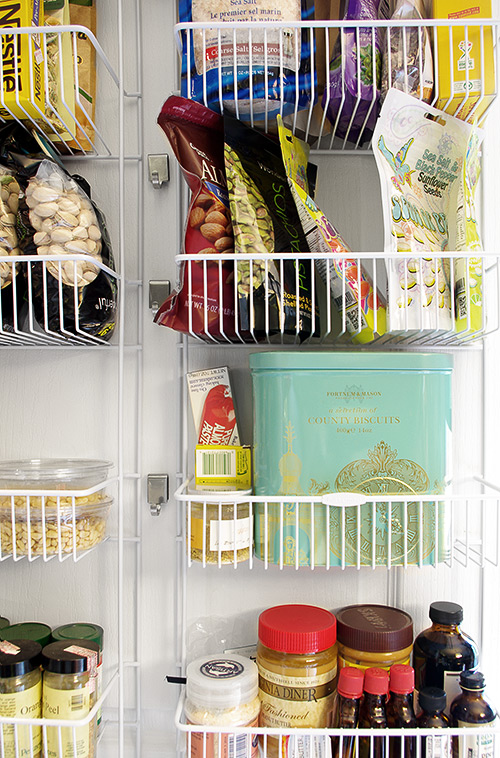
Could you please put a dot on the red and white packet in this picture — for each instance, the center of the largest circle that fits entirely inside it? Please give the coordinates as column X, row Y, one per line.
column 213, row 407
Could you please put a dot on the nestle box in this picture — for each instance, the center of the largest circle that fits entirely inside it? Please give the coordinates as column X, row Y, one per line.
column 465, row 75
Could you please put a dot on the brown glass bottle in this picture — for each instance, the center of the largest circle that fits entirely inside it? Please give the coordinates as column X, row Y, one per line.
column 372, row 713
column 349, row 693
column 400, row 713
column 432, row 701
column 441, row 652
column 471, row 708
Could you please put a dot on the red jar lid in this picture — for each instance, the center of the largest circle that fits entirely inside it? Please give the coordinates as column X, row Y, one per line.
column 298, row 629
column 402, row 679
column 376, row 681
column 350, row 682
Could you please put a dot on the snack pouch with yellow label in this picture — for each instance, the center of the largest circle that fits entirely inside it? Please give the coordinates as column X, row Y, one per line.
column 350, row 285
column 61, row 88
column 420, row 154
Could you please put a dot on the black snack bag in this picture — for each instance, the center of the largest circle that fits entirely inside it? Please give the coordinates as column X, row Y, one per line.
column 265, row 221
column 57, row 217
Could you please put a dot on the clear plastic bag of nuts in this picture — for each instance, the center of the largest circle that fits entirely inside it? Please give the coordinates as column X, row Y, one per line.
column 9, row 204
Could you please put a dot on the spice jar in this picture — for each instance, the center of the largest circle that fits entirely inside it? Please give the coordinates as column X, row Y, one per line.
column 222, row 692
column 297, row 661
column 20, row 697
column 69, row 692
column 4, row 622
column 218, row 527
column 373, row 636
column 29, row 630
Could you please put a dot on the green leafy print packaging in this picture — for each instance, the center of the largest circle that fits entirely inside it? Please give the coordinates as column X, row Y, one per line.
column 420, row 154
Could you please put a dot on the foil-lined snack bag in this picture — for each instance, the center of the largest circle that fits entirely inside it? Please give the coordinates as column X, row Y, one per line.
column 420, row 154
column 351, row 287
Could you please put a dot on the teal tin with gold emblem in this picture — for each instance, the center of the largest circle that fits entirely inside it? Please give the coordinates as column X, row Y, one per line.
column 370, row 423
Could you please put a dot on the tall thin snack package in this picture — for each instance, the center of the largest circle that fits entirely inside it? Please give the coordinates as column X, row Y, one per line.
column 61, row 87
column 419, row 153
column 83, row 12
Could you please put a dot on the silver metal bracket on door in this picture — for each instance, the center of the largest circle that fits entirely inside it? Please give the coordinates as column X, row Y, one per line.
column 158, row 170
column 157, row 492
column 159, row 290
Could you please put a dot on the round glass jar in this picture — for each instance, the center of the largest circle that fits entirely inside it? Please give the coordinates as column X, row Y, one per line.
column 218, row 526
column 222, row 692
column 69, row 692
column 373, row 636
column 297, row 662
column 21, row 696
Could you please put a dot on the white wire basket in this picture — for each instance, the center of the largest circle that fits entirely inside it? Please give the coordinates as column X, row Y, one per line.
column 353, row 300
column 325, row 77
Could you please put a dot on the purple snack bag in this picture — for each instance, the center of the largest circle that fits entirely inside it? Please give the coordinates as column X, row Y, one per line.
column 352, row 94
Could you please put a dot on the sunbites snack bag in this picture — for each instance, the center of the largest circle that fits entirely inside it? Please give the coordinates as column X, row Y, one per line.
column 420, row 153
column 271, row 71
column 203, row 302
column 350, row 285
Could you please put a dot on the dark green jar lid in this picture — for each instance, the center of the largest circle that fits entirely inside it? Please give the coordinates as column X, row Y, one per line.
column 81, row 631
column 19, row 657
column 30, row 630
column 4, row 622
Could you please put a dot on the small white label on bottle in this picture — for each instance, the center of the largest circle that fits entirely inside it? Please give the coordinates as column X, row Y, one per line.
column 477, row 745
column 437, row 746
column 451, row 685
column 223, row 533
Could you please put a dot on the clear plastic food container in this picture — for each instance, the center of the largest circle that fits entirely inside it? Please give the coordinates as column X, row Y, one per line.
column 53, row 473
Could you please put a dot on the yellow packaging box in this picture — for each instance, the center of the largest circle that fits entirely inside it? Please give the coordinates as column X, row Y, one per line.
column 465, row 76
column 23, row 93
column 223, row 465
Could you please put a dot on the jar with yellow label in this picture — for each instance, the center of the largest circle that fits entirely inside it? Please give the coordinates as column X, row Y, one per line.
column 69, row 693
column 20, row 697
column 218, row 526
column 373, row 636
column 297, row 662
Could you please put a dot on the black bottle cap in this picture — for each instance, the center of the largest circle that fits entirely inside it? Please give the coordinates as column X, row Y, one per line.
column 432, row 699
column 472, row 680
column 57, row 658
column 19, row 657
column 446, row 613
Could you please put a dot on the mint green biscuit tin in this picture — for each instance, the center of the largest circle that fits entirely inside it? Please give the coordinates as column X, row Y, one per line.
column 372, row 423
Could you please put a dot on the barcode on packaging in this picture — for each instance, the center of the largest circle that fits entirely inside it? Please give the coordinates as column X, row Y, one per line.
column 216, row 463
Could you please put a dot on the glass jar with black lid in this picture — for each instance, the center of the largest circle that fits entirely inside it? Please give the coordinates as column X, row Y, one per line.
column 21, row 695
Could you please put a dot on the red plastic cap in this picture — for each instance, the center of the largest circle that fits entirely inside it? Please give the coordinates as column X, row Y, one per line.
column 402, row 679
column 350, row 682
column 376, row 681
column 298, row 629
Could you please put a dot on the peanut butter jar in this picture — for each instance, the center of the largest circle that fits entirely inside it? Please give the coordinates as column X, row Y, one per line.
column 297, row 662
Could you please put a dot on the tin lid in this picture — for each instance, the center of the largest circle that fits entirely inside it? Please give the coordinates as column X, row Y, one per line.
column 57, row 658
column 18, row 657
column 432, row 699
column 374, row 628
column 298, row 629
column 350, row 683
column 4, row 622
column 401, row 679
column 29, row 630
column 376, row 681
column 446, row 613
column 81, row 631
column 351, row 361
column 222, row 681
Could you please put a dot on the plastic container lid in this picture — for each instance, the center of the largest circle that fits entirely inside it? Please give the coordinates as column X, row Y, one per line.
column 432, row 699
column 350, row 683
column 298, row 629
column 472, row 680
column 28, row 657
column 222, row 682
column 59, row 660
column 402, row 679
column 29, row 630
column 53, row 473
column 81, row 631
column 446, row 613
column 374, row 628
column 4, row 622
column 376, row 681
column 351, row 361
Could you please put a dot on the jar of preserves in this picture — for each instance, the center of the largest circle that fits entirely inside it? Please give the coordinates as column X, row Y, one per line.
column 218, row 526
column 69, row 693
column 373, row 636
column 222, row 691
column 20, row 697
column 297, row 662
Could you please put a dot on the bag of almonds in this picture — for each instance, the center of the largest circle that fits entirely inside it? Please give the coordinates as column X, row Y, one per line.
column 203, row 302
column 12, row 285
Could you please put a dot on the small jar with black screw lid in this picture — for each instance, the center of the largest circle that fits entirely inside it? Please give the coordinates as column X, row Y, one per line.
column 20, row 696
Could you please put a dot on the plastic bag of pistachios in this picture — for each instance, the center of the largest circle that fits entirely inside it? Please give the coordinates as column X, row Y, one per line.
column 273, row 295
column 12, row 282
column 420, row 153
column 202, row 304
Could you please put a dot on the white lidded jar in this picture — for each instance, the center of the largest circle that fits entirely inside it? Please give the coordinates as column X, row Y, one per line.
column 222, row 691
